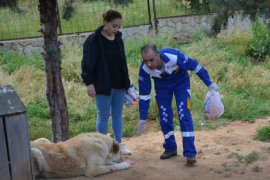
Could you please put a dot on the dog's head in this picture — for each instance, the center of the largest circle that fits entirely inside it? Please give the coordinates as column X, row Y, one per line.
column 115, row 152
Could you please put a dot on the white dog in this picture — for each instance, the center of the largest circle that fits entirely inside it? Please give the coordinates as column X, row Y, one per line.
column 89, row 154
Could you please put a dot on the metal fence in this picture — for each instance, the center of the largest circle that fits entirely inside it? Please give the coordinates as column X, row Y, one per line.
column 20, row 19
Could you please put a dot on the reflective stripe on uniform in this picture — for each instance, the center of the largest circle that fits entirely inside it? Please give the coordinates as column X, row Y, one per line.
column 188, row 134
column 170, row 133
column 144, row 97
column 198, row 68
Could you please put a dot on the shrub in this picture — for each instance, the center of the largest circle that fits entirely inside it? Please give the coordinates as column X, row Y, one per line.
column 263, row 133
column 259, row 47
column 251, row 157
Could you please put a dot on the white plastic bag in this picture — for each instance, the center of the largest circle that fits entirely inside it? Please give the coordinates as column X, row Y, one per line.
column 213, row 105
column 131, row 97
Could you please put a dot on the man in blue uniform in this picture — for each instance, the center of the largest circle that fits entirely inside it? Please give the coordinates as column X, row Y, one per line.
column 169, row 69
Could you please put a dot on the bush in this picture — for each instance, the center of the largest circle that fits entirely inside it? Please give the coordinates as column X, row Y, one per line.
column 251, row 157
column 263, row 134
column 259, row 47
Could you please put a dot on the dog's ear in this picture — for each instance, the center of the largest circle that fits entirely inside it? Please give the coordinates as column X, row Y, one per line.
column 115, row 147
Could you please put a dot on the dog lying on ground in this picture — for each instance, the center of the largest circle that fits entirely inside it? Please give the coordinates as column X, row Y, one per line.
column 89, row 154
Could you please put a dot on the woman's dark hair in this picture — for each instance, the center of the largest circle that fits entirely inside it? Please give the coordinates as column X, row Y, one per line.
column 111, row 15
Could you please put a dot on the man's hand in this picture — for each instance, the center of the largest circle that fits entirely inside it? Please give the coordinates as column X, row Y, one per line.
column 91, row 91
column 213, row 87
column 141, row 126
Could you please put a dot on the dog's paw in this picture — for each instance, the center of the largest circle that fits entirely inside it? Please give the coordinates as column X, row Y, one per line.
column 124, row 165
column 129, row 161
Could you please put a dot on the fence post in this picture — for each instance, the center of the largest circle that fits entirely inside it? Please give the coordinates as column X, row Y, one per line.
column 59, row 17
column 149, row 14
column 155, row 16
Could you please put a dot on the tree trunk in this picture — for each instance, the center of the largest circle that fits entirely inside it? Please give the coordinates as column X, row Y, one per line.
column 52, row 56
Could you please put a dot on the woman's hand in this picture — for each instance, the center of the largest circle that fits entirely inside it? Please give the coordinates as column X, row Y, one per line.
column 91, row 91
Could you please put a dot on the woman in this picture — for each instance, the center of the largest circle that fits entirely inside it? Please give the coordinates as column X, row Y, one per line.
column 105, row 73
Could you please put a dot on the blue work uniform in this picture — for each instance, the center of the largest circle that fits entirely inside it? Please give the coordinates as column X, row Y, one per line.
column 172, row 79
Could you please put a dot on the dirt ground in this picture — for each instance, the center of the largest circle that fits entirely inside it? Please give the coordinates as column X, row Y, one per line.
column 218, row 157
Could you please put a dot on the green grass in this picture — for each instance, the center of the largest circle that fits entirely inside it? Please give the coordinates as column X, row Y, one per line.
column 38, row 108
column 244, row 86
column 24, row 21
column 251, row 157
column 263, row 134
column 11, row 62
column 256, row 169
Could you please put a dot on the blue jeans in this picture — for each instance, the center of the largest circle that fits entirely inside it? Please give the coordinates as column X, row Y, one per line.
column 110, row 104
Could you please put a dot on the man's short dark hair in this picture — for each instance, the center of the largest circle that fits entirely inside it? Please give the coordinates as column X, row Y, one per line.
column 148, row 47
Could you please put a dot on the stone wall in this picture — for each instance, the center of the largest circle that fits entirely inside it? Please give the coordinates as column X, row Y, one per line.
column 181, row 27
column 184, row 26
column 35, row 44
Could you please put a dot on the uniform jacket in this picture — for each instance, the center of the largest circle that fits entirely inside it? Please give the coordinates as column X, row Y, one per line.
column 175, row 72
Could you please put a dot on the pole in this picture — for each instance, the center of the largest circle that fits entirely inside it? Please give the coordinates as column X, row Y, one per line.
column 149, row 14
column 155, row 16
column 59, row 17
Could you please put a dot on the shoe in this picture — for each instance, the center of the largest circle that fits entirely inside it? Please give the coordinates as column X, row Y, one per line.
column 168, row 154
column 190, row 160
column 124, row 150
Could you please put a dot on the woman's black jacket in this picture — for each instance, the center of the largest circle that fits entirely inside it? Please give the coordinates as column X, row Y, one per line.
column 94, row 66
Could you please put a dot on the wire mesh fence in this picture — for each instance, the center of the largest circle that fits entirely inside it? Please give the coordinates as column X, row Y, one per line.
column 20, row 18
column 168, row 8
column 85, row 15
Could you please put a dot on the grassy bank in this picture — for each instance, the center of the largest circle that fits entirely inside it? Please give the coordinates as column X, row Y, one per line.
column 244, row 86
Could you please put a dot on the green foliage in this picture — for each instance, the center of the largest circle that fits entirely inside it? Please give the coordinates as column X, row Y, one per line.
column 38, row 108
column 221, row 20
column 86, row 15
column 12, row 4
column 244, row 86
column 263, row 134
column 81, row 127
column 130, row 128
column 71, row 67
column 227, row 8
column 256, row 169
column 11, row 62
column 39, row 128
column 197, row 6
column 238, row 156
column 68, row 10
column 259, row 47
column 251, row 157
